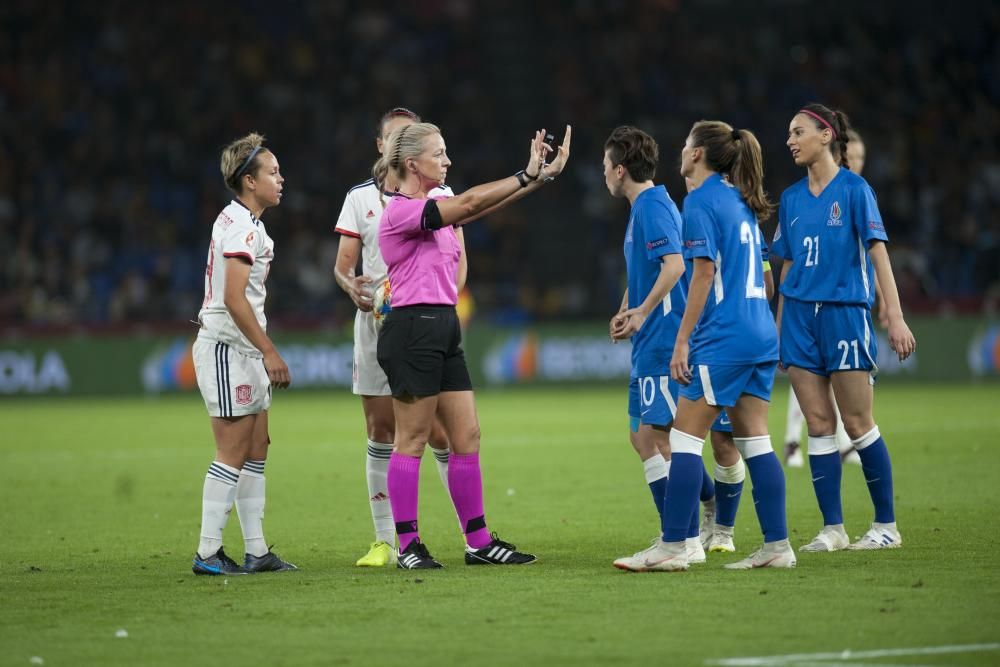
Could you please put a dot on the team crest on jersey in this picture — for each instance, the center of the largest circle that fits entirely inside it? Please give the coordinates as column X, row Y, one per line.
column 835, row 220
column 244, row 394
column 371, row 214
column 249, row 239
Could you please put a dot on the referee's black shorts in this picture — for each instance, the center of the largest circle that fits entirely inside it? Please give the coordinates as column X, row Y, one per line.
column 419, row 348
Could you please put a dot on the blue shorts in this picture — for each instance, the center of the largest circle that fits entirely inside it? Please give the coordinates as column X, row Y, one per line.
column 652, row 400
column 825, row 338
column 723, row 385
column 722, row 423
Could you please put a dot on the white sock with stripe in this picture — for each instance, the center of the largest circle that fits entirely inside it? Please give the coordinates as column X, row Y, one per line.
column 441, row 459
column 250, row 506
column 216, row 504
column 377, row 471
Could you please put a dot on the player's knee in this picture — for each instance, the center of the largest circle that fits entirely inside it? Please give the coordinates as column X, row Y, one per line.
column 857, row 425
column 466, row 440
column 380, row 429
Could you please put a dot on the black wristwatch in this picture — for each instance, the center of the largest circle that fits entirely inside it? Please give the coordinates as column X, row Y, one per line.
column 524, row 178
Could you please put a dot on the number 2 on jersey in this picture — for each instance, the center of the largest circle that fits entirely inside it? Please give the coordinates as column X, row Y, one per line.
column 750, row 235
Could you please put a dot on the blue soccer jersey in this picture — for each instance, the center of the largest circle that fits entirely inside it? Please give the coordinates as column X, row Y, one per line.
column 827, row 238
column 736, row 326
column 654, row 231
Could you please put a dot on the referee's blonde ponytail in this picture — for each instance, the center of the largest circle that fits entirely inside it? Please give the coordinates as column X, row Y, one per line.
column 404, row 143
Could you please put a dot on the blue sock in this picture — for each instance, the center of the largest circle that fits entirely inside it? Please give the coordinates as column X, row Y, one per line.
column 878, row 474
column 682, row 496
column 727, row 501
column 694, row 528
column 768, row 486
column 657, row 470
column 659, row 491
column 826, row 473
column 684, row 488
column 707, row 486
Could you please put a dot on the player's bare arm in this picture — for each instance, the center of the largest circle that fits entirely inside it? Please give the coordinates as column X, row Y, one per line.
column 701, row 283
column 901, row 340
column 356, row 287
column 671, row 269
column 237, row 279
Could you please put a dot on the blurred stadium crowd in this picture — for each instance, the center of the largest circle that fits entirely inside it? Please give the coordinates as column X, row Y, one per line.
column 112, row 116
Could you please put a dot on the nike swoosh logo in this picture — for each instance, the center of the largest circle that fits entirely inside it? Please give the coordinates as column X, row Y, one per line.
column 644, row 412
column 732, row 495
column 816, row 479
column 792, row 223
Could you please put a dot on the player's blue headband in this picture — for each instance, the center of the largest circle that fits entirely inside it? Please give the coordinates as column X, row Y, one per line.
column 246, row 164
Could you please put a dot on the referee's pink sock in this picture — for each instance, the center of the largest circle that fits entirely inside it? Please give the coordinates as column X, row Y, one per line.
column 403, row 483
column 465, row 481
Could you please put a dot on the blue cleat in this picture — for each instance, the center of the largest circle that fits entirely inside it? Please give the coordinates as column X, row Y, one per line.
column 216, row 564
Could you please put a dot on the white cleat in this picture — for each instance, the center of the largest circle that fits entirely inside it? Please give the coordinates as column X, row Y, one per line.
column 831, row 538
column 661, row 557
column 722, row 540
column 635, row 562
column 772, row 554
column 694, row 550
column 707, row 522
column 879, row 536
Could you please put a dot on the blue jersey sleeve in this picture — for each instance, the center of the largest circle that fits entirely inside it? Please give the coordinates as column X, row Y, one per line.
column 765, row 252
column 699, row 231
column 866, row 217
column 779, row 246
column 661, row 229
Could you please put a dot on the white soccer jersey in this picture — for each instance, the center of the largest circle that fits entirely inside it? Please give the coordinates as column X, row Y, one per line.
column 360, row 218
column 236, row 233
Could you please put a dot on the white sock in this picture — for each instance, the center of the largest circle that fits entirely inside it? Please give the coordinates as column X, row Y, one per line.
column 843, row 441
column 377, row 471
column 793, row 427
column 656, row 467
column 216, row 503
column 250, row 506
column 441, row 458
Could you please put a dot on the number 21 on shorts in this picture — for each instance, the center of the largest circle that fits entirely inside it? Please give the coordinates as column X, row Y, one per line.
column 846, row 347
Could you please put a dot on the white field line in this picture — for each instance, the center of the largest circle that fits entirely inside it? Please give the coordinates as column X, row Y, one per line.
column 804, row 659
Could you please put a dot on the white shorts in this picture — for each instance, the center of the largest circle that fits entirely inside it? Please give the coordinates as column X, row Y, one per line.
column 231, row 383
column 369, row 379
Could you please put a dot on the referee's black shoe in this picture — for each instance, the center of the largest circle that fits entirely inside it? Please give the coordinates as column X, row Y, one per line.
column 269, row 562
column 497, row 552
column 416, row 557
column 216, row 564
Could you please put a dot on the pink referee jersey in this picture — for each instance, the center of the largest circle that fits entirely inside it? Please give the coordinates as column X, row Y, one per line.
column 422, row 263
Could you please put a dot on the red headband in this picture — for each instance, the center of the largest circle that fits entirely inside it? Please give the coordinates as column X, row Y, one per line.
column 820, row 119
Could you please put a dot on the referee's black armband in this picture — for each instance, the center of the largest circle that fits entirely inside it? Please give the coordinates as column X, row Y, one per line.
column 431, row 219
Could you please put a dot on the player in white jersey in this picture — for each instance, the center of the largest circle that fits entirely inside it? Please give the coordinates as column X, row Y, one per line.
column 358, row 226
column 236, row 363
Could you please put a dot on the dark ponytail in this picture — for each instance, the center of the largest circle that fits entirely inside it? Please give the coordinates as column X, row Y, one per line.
column 737, row 155
column 837, row 122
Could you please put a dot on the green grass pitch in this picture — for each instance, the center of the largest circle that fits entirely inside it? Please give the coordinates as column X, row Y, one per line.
column 101, row 507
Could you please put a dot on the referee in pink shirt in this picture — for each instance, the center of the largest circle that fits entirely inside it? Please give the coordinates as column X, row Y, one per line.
column 419, row 346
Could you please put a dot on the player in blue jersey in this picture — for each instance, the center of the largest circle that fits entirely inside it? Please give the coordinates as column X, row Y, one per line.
column 726, row 348
column 831, row 235
column 650, row 312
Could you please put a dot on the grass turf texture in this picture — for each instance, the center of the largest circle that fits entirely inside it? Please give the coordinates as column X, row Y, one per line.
column 101, row 508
